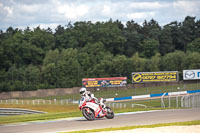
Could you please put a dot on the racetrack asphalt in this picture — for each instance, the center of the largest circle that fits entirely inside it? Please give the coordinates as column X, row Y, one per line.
column 124, row 119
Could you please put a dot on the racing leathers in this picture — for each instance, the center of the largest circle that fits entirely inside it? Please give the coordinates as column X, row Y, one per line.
column 90, row 96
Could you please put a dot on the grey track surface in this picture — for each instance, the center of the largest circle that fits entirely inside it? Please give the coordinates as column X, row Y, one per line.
column 164, row 116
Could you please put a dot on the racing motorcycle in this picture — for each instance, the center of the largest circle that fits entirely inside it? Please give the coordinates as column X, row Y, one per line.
column 91, row 110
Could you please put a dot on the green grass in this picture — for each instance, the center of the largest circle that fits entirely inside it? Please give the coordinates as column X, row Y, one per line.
column 71, row 110
column 188, row 123
column 36, row 117
column 56, row 112
column 110, row 92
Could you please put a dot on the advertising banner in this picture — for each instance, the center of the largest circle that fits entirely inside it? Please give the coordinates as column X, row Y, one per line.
column 144, row 77
column 191, row 74
column 104, row 82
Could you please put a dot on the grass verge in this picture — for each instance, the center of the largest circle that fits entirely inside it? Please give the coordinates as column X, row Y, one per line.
column 141, row 126
column 57, row 115
column 37, row 117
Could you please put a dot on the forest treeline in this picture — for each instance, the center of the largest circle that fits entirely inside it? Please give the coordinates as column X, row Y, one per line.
column 42, row 58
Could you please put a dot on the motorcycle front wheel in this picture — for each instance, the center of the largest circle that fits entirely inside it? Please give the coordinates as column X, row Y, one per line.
column 110, row 113
column 88, row 114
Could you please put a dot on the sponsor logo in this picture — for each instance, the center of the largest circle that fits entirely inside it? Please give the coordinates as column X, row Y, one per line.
column 189, row 74
column 137, row 77
column 167, row 76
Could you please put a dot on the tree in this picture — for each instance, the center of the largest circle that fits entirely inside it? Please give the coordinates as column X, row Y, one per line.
column 110, row 35
column 197, row 29
column 93, row 54
column 192, row 60
column 68, row 68
column 173, row 61
column 177, row 35
column 153, row 64
column 151, row 30
column 187, row 28
column 136, row 63
column 166, row 41
column 149, row 48
column 42, row 38
column 133, row 37
column 61, row 69
column 119, row 66
column 104, row 68
column 194, row 46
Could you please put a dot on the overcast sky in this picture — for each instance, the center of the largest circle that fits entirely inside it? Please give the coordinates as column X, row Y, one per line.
column 51, row 13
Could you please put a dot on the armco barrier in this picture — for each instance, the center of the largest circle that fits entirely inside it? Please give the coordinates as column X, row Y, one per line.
column 151, row 95
column 18, row 111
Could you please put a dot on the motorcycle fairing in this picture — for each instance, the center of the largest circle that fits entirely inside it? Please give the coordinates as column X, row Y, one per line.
column 97, row 109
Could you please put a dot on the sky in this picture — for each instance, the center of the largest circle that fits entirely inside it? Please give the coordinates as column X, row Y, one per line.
column 51, row 13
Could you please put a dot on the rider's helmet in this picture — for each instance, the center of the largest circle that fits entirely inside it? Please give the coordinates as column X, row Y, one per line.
column 83, row 91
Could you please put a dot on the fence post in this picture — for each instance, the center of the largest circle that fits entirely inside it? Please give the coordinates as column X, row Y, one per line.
column 189, row 101
column 169, row 101
column 198, row 100
column 113, row 105
column 116, row 105
column 162, row 102
column 43, row 101
column 54, row 101
column 67, row 101
column 177, row 101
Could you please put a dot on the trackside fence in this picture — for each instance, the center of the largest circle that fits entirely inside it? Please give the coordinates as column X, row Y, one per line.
column 39, row 102
column 181, row 99
column 191, row 101
column 64, row 102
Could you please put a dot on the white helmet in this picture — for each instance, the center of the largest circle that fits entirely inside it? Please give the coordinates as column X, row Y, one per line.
column 82, row 91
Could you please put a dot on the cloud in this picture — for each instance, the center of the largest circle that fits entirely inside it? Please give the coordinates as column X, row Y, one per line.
column 6, row 10
column 22, row 13
column 72, row 11
column 9, row 10
column 29, row 9
column 141, row 15
column 106, row 10
column 187, row 7
column 148, row 5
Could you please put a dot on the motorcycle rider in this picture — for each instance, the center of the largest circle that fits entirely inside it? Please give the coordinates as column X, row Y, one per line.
column 90, row 96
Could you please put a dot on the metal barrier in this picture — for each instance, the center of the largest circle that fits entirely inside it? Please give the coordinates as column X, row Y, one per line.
column 17, row 111
column 191, row 101
column 39, row 102
column 168, row 99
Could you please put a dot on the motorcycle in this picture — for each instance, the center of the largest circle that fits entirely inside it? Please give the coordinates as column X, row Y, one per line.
column 91, row 110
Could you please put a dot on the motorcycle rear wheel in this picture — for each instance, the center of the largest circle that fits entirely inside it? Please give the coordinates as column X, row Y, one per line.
column 110, row 113
column 88, row 115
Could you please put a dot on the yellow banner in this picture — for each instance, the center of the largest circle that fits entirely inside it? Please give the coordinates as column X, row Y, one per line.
column 142, row 77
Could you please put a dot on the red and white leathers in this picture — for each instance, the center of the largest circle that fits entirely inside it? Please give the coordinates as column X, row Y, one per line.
column 90, row 96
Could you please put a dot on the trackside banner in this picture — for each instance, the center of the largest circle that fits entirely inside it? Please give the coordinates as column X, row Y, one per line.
column 191, row 74
column 144, row 77
column 104, row 82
